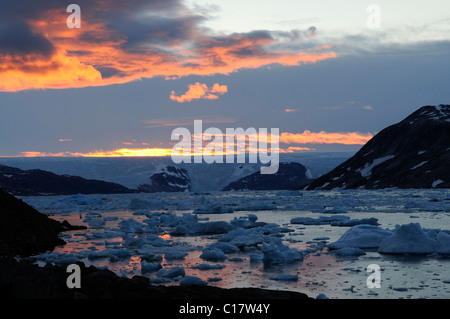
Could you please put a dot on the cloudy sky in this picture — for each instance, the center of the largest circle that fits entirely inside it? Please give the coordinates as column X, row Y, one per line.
column 329, row 74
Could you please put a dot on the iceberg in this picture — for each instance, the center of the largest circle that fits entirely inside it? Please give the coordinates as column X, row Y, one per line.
column 408, row 239
column 213, row 254
column 361, row 236
column 277, row 251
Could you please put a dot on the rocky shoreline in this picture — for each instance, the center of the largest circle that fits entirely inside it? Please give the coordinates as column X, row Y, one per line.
column 24, row 280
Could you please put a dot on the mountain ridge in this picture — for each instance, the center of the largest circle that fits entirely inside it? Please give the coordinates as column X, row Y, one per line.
column 413, row 153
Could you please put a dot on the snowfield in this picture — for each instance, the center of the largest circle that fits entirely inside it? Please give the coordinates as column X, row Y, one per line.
column 316, row 242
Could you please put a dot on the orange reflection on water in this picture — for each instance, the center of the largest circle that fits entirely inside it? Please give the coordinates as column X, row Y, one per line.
column 165, row 236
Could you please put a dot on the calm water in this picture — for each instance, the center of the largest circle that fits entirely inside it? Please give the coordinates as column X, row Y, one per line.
column 319, row 272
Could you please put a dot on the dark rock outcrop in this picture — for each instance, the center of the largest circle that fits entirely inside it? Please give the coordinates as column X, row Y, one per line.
column 24, row 230
column 24, row 280
column 38, row 182
column 414, row 153
column 290, row 176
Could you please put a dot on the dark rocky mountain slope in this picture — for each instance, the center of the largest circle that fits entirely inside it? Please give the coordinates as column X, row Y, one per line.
column 290, row 176
column 171, row 179
column 414, row 153
column 39, row 182
column 24, row 230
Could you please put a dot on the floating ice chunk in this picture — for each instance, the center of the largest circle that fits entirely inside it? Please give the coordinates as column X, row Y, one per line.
column 151, row 257
column 322, row 220
column 302, row 220
column 140, row 204
column 336, row 210
column 322, row 296
column 120, row 253
column 96, row 223
column 141, row 212
column 98, row 254
column 58, row 258
column 250, row 239
column 285, row 277
column 113, row 254
column 256, row 257
column 103, row 234
column 233, row 234
column 208, row 266
column 147, row 267
column 244, row 221
column 408, row 239
column 354, row 222
column 172, row 255
column 131, row 226
column 192, row 281
column 213, row 209
column 93, row 215
column 277, row 251
column 443, row 240
column 225, row 247
column 180, row 230
column 349, row 251
column 209, row 228
column 213, row 254
column 171, row 273
column 256, row 207
column 110, row 218
column 361, row 236
column 145, row 240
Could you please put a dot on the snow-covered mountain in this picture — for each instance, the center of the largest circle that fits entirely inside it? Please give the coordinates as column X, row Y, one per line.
column 133, row 172
column 289, row 176
column 414, row 153
column 171, row 179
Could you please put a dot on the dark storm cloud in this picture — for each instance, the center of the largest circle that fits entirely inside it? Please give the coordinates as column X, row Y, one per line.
column 153, row 29
column 17, row 39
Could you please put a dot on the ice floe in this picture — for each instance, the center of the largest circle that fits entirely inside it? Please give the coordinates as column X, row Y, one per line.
column 411, row 239
column 277, row 251
column 361, row 236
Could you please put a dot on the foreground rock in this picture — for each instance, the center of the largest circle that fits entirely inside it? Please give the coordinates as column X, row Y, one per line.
column 25, row 231
column 28, row 281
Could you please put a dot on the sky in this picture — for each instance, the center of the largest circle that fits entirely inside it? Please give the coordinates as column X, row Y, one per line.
column 328, row 74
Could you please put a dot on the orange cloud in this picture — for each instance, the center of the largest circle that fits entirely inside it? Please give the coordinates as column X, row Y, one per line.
column 308, row 137
column 291, row 110
column 123, row 152
column 293, row 149
column 60, row 71
column 198, row 91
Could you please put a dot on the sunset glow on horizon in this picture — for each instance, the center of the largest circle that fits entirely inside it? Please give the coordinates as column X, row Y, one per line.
column 305, row 138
